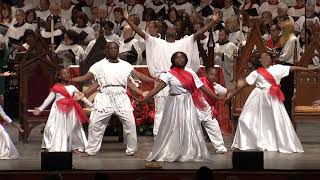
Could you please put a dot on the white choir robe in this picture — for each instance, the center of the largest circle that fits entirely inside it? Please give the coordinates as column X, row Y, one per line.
column 296, row 12
column 186, row 7
column 136, row 9
column 7, row 148
column 272, row 8
column 87, row 30
column 112, row 99
column 110, row 38
column 109, row 14
column 158, row 8
column 63, row 132
column 180, row 135
column 66, row 13
column 256, row 6
column 227, row 13
column 235, row 37
column 300, row 23
column 227, row 65
column 287, row 53
column 16, row 33
column 264, row 123
column 43, row 14
column 210, row 123
column 317, row 9
column 158, row 57
column 124, row 47
column 77, row 51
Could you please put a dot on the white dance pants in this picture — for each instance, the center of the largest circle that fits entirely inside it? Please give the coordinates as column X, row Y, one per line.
column 98, row 124
column 212, row 128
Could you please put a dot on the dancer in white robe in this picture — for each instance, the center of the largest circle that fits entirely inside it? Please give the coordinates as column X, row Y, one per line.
column 7, row 148
column 63, row 130
column 158, row 55
column 112, row 74
column 264, row 123
column 180, row 135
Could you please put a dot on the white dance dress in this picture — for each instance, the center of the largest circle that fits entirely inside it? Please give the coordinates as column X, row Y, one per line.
column 180, row 136
column 264, row 123
column 7, row 148
column 63, row 132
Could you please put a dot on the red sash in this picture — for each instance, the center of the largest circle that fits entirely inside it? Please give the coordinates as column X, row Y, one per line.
column 66, row 104
column 212, row 102
column 187, row 81
column 275, row 88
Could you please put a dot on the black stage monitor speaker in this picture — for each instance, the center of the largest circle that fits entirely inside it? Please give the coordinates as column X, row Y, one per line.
column 56, row 161
column 247, row 160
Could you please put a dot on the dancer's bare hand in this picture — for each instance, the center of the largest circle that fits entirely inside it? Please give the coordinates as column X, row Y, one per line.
column 18, row 126
column 316, row 103
column 145, row 93
column 228, row 98
column 78, row 96
column 8, row 73
column 36, row 111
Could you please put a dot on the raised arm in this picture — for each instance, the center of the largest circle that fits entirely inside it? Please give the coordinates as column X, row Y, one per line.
column 214, row 20
column 86, row 77
column 133, row 26
column 142, row 76
column 298, row 68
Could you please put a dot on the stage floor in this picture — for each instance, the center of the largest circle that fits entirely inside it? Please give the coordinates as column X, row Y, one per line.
column 112, row 154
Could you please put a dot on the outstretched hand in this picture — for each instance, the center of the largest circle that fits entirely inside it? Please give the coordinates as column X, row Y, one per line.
column 316, row 103
column 18, row 126
column 8, row 73
column 145, row 93
column 35, row 111
column 316, row 68
column 78, row 96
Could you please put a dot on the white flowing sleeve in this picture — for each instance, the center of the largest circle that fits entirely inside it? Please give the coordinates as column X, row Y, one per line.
column 164, row 77
column 196, row 79
column 4, row 115
column 252, row 77
column 282, row 70
column 48, row 100
column 220, row 90
column 87, row 102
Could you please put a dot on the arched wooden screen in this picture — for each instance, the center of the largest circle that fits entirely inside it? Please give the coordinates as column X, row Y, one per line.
column 307, row 85
column 37, row 75
column 241, row 65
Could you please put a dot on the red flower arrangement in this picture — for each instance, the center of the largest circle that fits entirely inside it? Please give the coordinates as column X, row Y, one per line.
column 143, row 113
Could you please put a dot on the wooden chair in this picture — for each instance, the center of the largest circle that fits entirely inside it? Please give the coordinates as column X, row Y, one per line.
column 241, row 68
column 307, row 86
